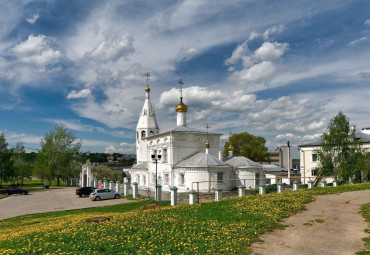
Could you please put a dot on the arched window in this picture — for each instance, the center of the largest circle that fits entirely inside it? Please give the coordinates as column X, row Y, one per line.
column 151, row 132
column 143, row 135
column 137, row 135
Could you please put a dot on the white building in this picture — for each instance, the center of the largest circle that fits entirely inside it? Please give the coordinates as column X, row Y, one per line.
column 309, row 160
column 185, row 156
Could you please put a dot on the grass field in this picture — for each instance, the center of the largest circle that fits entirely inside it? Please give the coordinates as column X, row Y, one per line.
column 365, row 211
column 224, row 227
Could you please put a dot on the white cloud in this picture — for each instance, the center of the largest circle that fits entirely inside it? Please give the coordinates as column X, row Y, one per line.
column 358, row 40
column 112, row 48
column 367, row 22
column 79, row 94
column 260, row 66
column 124, row 144
column 111, row 149
column 270, row 51
column 13, row 137
column 36, row 50
column 296, row 139
column 33, row 19
column 257, row 73
column 186, row 53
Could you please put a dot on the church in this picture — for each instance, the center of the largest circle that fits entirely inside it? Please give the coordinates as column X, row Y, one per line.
column 184, row 156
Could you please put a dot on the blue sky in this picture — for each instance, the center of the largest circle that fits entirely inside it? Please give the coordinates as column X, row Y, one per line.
column 279, row 69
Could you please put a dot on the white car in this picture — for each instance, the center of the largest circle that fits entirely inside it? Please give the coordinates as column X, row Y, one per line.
column 99, row 194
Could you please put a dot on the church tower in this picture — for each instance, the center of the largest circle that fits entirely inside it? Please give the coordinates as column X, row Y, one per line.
column 146, row 126
column 181, row 109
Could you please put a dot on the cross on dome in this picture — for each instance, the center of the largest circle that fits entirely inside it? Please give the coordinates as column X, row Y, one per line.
column 207, row 144
column 147, row 89
column 181, row 107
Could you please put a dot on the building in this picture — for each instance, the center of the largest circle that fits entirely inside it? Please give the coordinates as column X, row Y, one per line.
column 309, row 160
column 185, row 157
column 274, row 157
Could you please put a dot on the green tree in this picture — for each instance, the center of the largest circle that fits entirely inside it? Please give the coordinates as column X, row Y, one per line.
column 22, row 168
column 101, row 172
column 341, row 154
column 247, row 145
column 6, row 163
column 59, row 154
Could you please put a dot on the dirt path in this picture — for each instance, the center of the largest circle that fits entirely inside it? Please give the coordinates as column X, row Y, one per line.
column 340, row 233
column 49, row 201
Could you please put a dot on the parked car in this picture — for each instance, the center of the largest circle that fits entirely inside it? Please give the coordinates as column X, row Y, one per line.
column 99, row 194
column 85, row 191
column 15, row 190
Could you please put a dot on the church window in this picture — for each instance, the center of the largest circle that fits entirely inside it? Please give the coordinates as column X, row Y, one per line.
column 219, row 177
column 142, row 135
column 313, row 172
column 166, row 178
column 182, row 179
column 164, row 155
column 144, row 180
column 151, row 132
column 137, row 135
column 257, row 179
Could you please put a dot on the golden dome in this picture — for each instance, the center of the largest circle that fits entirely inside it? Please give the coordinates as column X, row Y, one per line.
column 147, row 89
column 181, row 107
column 207, row 144
column 231, row 148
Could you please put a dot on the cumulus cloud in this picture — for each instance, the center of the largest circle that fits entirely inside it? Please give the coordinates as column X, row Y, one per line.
column 296, row 139
column 33, row 19
column 37, row 50
column 367, row 22
column 258, row 66
column 186, row 53
column 119, row 149
column 13, row 137
column 112, row 48
column 270, row 51
column 79, row 94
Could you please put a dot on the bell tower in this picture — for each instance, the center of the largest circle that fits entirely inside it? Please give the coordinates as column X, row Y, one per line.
column 146, row 126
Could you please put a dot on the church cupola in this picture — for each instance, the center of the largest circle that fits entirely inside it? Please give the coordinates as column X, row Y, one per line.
column 146, row 126
column 181, row 109
column 231, row 148
column 207, row 144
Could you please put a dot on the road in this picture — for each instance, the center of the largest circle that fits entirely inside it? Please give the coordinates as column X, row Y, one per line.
column 330, row 225
column 49, row 201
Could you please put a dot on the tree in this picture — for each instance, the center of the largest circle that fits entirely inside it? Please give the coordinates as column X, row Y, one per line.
column 341, row 155
column 6, row 163
column 101, row 172
column 247, row 145
column 59, row 154
column 22, row 168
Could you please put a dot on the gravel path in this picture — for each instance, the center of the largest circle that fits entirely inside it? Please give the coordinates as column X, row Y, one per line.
column 340, row 233
column 49, row 201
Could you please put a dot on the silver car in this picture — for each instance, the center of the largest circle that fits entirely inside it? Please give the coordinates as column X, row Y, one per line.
column 99, row 194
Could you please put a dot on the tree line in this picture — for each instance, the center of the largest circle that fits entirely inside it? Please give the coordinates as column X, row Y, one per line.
column 58, row 159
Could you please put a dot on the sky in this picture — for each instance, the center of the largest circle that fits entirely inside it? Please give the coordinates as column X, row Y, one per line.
column 277, row 69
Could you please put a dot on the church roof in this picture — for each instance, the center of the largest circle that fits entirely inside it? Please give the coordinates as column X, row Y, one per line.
column 201, row 159
column 242, row 162
column 273, row 168
column 147, row 116
column 143, row 166
column 184, row 129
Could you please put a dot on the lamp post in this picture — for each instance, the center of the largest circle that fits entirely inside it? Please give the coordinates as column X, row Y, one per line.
column 155, row 159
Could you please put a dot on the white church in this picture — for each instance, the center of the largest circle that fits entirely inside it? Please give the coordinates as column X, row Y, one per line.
column 183, row 156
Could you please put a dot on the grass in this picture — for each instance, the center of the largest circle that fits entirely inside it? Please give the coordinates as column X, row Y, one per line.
column 320, row 220
column 365, row 211
column 224, row 227
column 347, row 202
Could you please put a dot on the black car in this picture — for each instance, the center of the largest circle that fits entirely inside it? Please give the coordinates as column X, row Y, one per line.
column 15, row 190
column 85, row 191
